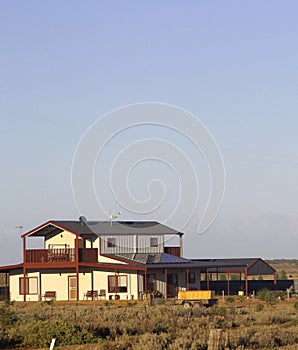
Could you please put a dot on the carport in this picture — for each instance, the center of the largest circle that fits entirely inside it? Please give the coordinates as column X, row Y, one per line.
column 244, row 267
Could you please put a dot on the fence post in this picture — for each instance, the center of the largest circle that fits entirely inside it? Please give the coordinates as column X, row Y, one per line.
column 52, row 344
column 214, row 342
column 288, row 294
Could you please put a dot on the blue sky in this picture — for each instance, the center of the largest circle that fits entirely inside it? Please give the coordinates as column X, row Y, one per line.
column 64, row 64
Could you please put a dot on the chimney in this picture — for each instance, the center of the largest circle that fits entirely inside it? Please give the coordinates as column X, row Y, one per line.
column 181, row 243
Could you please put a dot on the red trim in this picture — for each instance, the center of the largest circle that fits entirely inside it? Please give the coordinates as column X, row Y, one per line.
column 24, row 268
column 115, row 266
column 246, row 283
column 50, row 265
column 47, row 224
column 274, row 278
column 77, row 265
column 53, row 266
column 35, row 229
column 187, row 278
column 11, row 267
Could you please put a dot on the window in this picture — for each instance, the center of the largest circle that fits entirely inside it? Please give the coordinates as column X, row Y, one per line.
column 111, row 242
column 117, row 284
column 153, row 242
column 31, row 285
column 191, row 277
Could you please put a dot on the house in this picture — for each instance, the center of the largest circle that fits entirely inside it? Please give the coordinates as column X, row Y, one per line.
column 114, row 260
column 117, row 259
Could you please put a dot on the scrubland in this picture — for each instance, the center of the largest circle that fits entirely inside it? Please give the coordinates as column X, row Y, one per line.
column 105, row 325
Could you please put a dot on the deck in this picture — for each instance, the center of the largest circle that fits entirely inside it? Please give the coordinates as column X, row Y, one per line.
column 61, row 255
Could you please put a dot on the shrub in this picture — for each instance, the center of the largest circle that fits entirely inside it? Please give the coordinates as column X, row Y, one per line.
column 267, row 295
column 137, row 328
column 108, row 303
column 259, row 307
column 230, row 299
column 7, row 316
column 40, row 334
column 282, row 275
column 241, row 298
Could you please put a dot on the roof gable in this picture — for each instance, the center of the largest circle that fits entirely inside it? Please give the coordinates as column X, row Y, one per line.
column 101, row 228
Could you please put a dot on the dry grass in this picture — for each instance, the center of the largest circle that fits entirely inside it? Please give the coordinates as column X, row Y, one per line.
column 289, row 266
column 121, row 326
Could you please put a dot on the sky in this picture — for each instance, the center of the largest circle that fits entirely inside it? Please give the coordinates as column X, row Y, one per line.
column 233, row 65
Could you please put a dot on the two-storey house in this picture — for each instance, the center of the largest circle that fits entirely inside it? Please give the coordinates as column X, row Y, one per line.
column 118, row 259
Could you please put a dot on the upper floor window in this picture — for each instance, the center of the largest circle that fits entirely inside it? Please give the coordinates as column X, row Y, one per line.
column 111, row 242
column 153, row 242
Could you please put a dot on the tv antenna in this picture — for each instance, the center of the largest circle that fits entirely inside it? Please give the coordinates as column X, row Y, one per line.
column 20, row 227
column 114, row 216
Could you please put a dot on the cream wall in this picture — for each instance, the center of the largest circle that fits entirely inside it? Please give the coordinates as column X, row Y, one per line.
column 105, row 259
column 101, row 258
column 58, row 282
column 62, row 238
column 85, row 283
column 101, row 282
column 14, row 284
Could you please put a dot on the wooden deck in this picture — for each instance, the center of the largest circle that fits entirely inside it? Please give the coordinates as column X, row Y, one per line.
column 61, row 255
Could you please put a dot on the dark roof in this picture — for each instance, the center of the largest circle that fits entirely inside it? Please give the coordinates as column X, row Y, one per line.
column 254, row 266
column 102, row 228
column 227, row 262
column 150, row 258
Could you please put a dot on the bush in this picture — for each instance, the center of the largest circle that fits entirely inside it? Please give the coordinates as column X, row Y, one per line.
column 138, row 328
column 241, row 298
column 259, row 307
column 40, row 334
column 230, row 299
column 7, row 316
column 267, row 295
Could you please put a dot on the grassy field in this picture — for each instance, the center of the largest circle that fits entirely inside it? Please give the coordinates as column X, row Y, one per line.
column 246, row 324
column 290, row 266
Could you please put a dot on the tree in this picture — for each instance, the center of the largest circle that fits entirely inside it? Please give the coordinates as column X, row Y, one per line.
column 282, row 275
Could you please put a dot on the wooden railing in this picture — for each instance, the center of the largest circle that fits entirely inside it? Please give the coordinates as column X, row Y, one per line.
column 61, row 255
column 88, row 255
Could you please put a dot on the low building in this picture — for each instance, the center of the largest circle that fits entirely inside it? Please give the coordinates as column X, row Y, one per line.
column 111, row 260
column 116, row 259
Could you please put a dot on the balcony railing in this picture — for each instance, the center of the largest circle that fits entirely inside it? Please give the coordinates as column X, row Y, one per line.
column 61, row 255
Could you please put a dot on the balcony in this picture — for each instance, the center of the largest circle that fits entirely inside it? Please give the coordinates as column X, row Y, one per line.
column 61, row 255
